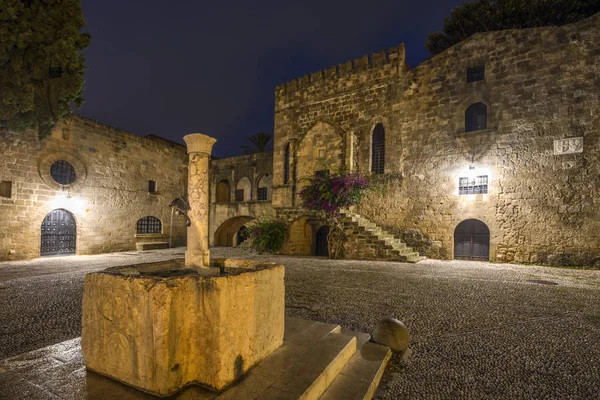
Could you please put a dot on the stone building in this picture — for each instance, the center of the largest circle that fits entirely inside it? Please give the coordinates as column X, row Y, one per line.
column 89, row 188
column 490, row 149
column 241, row 190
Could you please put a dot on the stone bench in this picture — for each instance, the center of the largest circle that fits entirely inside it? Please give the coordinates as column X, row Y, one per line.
column 151, row 245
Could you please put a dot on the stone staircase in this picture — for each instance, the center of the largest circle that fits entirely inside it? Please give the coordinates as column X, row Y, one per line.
column 367, row 240
column 316, row 361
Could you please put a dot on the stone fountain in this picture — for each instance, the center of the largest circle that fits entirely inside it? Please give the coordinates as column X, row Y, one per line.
column 162, row 326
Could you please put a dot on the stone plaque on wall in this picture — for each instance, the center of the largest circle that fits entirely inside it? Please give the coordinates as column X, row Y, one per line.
column 568, row 146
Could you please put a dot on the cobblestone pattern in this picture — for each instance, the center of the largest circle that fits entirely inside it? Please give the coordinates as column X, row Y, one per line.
column 478, row 330
column 40, row 300
column 540, row 84
column 110, row 194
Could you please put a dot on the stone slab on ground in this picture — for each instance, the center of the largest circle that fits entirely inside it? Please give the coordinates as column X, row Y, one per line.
column 312, row 356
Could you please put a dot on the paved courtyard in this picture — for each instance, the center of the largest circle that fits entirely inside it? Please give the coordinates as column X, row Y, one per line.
column 479, row 330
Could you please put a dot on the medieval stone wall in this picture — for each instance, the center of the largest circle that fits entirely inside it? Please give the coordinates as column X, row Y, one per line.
column 540, row 85
column 109, row 196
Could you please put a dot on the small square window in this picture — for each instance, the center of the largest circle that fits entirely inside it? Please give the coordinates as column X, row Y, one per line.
column 151, row 186
column 473, row 185
column 262, row 193
column 239, row 195
column 6, row 189
column 321, row 153
column 475, row 74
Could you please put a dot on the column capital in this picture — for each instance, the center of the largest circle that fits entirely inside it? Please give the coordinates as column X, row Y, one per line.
column 199, row 143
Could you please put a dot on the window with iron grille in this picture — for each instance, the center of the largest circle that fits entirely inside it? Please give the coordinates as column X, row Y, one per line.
column 476, row 117
column 286, row 164
column 474, row 185
column 149, row 224
column 378, row 150
column 322, row 172
column 475, row 74
column 151, row 186
column 262, row 193
column 239, row 194
column 6, row 189
column 63, row 172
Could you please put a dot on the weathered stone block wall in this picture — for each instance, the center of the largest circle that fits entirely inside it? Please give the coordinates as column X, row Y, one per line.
column 113, row 168
column 540, row 84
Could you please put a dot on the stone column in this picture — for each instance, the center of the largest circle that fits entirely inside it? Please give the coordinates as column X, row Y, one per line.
column 199, row 148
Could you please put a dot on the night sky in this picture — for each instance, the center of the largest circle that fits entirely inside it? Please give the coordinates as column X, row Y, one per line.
column 171, row 68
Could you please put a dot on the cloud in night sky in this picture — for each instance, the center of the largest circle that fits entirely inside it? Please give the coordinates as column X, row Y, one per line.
column 171, row 68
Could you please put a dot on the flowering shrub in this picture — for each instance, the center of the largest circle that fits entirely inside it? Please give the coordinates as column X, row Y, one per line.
column 267, row 236
column 328, row 194
column 332, row 192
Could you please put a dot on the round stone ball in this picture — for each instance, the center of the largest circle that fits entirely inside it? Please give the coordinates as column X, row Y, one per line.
column 392, row 333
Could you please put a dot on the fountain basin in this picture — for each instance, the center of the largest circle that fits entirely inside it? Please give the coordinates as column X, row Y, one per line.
column 160, row 327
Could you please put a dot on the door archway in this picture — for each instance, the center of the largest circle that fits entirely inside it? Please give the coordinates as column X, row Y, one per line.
column 472, row 240
column 321, row 248
column 59, row 234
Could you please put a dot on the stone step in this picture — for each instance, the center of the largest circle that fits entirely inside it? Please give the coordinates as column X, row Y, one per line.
column 359, row 379
column 374, row 235
column 311, row 357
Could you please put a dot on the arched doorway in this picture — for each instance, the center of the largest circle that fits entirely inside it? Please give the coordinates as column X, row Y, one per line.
column 321, row 242
column 59, row 234
column 472, row 240
column 229, row 230
column 242, row 235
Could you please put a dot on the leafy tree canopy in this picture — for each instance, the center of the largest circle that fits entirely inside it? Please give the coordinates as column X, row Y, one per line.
column 261, row 143
column 41, row 62
column 493, row 15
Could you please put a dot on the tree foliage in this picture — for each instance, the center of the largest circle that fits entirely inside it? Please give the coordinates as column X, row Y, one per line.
column 261, row 143
column 41, row 62
column 328, row 194
column 493, row 15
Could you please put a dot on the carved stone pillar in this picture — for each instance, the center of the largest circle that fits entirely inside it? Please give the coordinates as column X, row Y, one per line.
column 199, row 148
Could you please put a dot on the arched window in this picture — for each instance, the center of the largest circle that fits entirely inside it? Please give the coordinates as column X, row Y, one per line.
column 378, row 150
column 286, row 164
column 476, row 117
column 264, row 187
column 242, row 190
column 223, row 192
column 149, row 224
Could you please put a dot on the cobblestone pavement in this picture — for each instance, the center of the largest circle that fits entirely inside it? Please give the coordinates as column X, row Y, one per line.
column 40, row 299
column 479, row 330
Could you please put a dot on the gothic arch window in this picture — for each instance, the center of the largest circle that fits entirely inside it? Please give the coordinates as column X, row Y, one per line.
column 148, row 224
column 223, row 192
column 378, row 150
column 286, row 164
column 476, row 117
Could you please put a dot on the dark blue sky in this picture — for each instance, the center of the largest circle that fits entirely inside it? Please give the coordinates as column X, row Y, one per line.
column 174, row 67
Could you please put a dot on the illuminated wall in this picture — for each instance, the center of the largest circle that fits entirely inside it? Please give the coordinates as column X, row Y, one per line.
column 110, row 193
column 537, row 86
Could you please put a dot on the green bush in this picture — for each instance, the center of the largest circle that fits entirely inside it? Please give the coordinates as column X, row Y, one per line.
column 268, row 235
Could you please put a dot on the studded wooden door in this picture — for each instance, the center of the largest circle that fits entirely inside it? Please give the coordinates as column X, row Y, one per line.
column 59, row 234
column 472, row 240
